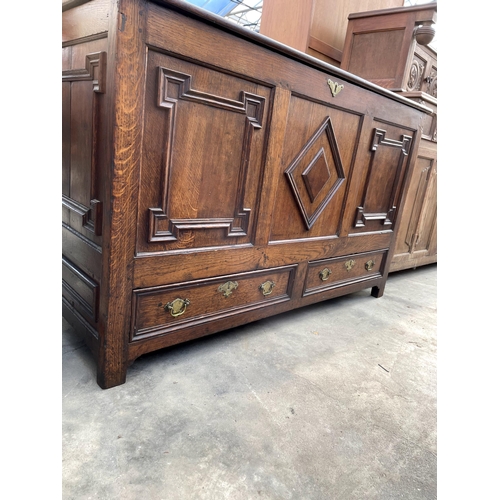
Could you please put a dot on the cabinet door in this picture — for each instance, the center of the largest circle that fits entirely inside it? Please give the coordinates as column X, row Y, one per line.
column 422, row 74
column 416, row 241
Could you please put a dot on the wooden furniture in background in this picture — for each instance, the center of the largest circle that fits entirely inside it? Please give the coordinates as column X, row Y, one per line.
column 316, row 27
column 213, row 177
column 389, row 47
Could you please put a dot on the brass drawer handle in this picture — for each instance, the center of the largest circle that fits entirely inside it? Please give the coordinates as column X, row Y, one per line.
column 177, row 307
column 227, row 288
column 267, row 287
column 350, row 264
column 369, row 265
column 325, row 274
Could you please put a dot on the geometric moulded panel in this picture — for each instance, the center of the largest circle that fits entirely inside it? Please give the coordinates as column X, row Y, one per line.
column 316, row 173
column 247, row 113
column 383, row 179
column 80, row 136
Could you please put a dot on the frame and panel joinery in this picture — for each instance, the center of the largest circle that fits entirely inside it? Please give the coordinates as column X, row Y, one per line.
column 230, row 186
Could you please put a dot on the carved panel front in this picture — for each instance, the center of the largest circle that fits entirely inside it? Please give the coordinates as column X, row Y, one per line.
column 427, row 78
column 204, row 136
column 416, row 73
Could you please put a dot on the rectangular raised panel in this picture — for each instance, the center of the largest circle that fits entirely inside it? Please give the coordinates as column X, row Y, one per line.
column 80, row 290
column 316, row 162
column 327, row 274
column 423, row 213
column 366, row 62
column 66, row 138
column 383, row 177
column 207, row 300
column 204, row 138
column 429, row 126
column 79, row 138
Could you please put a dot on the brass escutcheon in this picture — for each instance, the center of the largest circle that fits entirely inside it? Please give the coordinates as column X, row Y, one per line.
column 267, row 287
column 325, row 274
column 227, row 288
column 350, row 264
column 369, row 265
column 177, row 307
column 335, row 87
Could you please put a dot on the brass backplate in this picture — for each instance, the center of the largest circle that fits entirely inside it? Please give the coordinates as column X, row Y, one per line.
column 177, row 307
column 350, row 264
column 267, row 287
column 369, row 265
column 227, row 288
column 325, row 274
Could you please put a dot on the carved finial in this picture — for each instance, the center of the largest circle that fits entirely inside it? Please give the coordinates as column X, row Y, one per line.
column 424, row 34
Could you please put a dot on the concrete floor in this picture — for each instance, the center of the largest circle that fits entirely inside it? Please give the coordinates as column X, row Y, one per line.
column 333, row 401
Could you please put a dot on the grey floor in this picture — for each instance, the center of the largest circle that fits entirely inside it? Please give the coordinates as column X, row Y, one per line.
column 333, row 401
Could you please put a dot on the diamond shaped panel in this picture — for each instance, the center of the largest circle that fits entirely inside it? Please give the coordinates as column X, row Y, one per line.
column 316, row 173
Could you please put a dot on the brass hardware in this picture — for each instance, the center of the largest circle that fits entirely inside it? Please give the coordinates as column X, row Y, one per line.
column 325, row 274
column 369, row 265
column 335, row 87
column 177, row 307
column 227, row 288
column 350, row 264
column 267, row 287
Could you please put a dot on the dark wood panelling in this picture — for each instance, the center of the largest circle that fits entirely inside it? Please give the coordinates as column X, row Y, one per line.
column 83, row 251
column 205, row 130
column 383, row 178
column 381, row 187
column 314, row 128
column 316, row 169
column 326, row 274
column 152, row 271
column 408, row 66
column 227, row 169
column 80, row 132
column 156, row 311
column 66, row 138
column 80, row 290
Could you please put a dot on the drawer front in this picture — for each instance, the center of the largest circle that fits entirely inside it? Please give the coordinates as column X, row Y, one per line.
column 326, row 274
column 165, row 309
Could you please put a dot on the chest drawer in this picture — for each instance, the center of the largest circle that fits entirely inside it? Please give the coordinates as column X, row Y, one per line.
column 331, row 273
column 165, row 309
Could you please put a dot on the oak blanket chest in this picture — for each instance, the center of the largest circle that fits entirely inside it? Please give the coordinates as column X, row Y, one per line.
column 212, row 177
